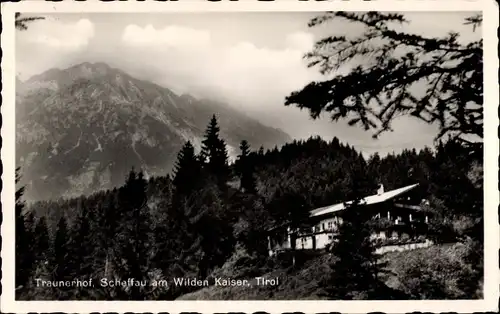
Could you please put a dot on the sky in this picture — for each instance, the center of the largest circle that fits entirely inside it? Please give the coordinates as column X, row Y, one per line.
column 252, row 61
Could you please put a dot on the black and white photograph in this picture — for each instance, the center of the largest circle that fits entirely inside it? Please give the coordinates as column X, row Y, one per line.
column 243, row 156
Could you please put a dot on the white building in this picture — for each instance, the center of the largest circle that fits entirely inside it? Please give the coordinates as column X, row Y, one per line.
column 398, row 217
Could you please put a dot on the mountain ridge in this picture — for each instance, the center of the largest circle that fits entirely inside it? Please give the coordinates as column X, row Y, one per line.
column 80, row 129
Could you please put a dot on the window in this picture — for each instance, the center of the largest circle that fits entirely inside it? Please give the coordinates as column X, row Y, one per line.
column 330, row 237
column 330, row 225
column 324, row 226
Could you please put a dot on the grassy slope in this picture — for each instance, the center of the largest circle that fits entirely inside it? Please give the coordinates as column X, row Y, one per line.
column 293, row 284
column 397, row 260
column 303, row 283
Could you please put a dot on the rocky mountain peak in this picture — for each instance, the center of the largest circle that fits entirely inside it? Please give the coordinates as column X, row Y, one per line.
column 82, row 128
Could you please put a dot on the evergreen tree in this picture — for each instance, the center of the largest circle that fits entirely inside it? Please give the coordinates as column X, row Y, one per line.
column 61, row 268
column 354, row 268
column 290, row 206
column 188, row 180
column 170, row 238
column 132, row 258
column 261, row 151
column 42, row 240
column 187, row 171
column 214, row 154
column 210, row 233
column 31, row 254
column 109, row 219
column 23, row 241
column 256, row 221
column 354, row 265
column 245, row 169
column 245, row 149
column 81, row 247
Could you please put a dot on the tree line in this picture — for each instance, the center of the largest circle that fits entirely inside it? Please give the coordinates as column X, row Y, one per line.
column 190, row 223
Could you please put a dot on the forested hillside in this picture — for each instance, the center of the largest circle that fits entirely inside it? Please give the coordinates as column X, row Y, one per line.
column 209, row 215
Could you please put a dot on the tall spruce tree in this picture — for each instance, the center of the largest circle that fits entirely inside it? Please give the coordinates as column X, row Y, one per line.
column 109, row 218
column 24, row 256
column 244, row 148
column 354, row 264
column 290, row 206
column 170, row 237
column 187, row 171
column 245, row 169
column 354, row 268
column 214, row 154
column 61, row 268
column 188, row 181
column 261, row 151
column 31, row 254
column 133, row 238
column 42, row 240
column 210, row 233
column 81, row 247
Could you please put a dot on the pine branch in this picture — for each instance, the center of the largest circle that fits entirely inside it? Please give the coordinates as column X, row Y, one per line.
column 378, row 87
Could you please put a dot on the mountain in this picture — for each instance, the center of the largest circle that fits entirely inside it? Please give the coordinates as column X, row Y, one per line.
column 82, row 128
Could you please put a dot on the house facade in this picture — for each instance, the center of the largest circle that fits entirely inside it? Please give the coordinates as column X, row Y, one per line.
column 396, row 216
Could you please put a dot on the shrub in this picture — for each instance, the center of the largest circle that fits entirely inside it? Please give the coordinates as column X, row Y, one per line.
column 441, row 272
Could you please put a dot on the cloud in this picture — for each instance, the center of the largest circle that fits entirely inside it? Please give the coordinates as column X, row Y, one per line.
column 245, row 73
column 171, row 36
column 300, row 40
column 241, row 71
column 51, row 43
column 59, row 35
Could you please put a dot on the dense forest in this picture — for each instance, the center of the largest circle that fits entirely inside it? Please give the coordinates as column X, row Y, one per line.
column 210, row 214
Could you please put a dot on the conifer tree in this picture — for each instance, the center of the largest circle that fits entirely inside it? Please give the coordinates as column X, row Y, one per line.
column 289, row 206
column 172, row 244
column 81, row 246
column 261, row 151
column 29, row 225
column 188, row 181
column 245, row 169
column 245, row 149
column 210, row 234
column 187, row 171
column 214, row 153
column 257, row 220
column 42, row 240
column 170, row 235
column 354, row 268
column 109, row 219
column 132, row 258
column 24, row 256
column 61, row 268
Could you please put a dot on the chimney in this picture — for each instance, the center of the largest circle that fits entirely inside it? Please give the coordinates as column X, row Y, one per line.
column 380, row 189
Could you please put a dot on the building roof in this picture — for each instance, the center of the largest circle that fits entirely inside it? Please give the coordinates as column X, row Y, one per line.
column 368, row 200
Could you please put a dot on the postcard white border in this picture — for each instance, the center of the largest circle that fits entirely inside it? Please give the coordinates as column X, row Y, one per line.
column 491, row 101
